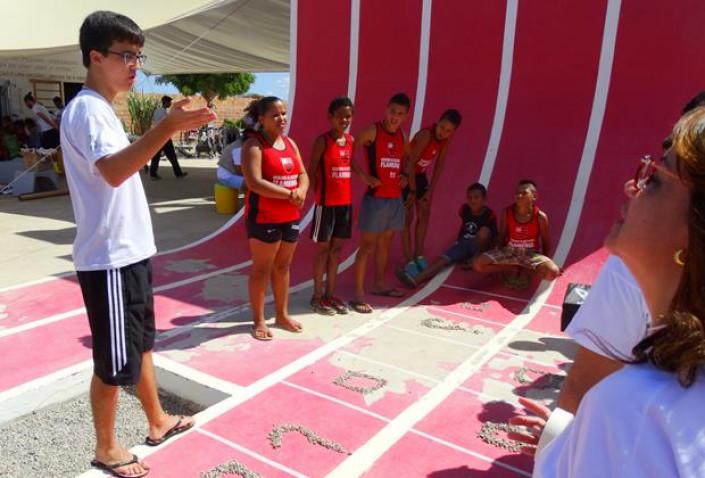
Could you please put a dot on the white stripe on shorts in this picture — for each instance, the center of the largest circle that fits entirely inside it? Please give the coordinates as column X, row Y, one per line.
column 317, row 225
column 117, row 321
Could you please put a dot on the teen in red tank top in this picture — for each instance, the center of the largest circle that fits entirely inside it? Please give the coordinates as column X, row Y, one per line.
column 523, row 235
column 281, row 168
column 430, row 152
column 385, row 157
column 333, row 185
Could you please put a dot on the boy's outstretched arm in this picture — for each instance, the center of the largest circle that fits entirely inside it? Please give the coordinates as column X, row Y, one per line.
column 543, row 233
column 118, row 167
column 364, row 138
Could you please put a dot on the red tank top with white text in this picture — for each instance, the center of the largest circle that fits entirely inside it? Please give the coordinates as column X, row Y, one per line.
column 282, row 168
column 523, row 235
column 385, row 156
column 333, row 185
column 430, row 152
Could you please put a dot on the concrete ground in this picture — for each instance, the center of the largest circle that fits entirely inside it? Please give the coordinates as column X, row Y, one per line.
column 36, row 236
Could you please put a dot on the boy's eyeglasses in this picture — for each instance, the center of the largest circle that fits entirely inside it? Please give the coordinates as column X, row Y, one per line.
column 130, row 58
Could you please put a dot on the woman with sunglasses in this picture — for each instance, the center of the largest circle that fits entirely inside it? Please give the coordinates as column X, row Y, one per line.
column 647, row 419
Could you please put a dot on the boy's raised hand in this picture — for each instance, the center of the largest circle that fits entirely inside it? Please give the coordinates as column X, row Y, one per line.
column 180, row 118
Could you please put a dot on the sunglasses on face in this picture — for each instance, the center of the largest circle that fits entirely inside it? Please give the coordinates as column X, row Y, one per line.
column 646, row 170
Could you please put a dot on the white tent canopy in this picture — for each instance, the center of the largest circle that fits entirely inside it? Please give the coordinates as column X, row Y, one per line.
column 182, row 36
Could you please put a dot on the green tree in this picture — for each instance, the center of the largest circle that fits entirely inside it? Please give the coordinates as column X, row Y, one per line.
column 210, row 85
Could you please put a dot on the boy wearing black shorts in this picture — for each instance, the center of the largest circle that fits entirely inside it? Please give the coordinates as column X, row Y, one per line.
column 478, row 231
column 114, row 239
column 429, row 145
column 329, row 171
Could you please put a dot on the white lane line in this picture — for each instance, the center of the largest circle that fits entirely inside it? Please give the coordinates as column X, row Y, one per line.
column 499, row 296
column 505, row 78
column 307, row 360
column 354, row 40
column 599, row 104
column 194, row 375
column 338, row 401
column 423, row 66
column 293, row 33
column 412, row 373
column 253, row 454
column 207, row 238
column 474, row 454
column 365, row 456
column 428, row 436
column 492, row 322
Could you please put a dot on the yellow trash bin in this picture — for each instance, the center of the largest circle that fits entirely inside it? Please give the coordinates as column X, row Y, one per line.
column 227, row 200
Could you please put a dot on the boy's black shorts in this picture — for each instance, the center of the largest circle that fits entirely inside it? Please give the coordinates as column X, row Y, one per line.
column 271, row 233
column 331, row 221
column 120, row 307
column 421, row 186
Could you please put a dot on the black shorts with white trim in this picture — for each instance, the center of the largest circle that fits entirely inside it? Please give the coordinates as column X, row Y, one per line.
column 331, row 222
column 120, row 306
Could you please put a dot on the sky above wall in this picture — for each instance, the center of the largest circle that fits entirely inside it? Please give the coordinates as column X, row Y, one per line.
column 266, row 84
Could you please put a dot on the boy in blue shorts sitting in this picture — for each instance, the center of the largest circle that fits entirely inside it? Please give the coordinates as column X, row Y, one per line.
column 478, row 230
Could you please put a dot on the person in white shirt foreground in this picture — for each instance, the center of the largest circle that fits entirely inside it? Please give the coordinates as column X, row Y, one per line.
column 114, row 239
column 647, row 419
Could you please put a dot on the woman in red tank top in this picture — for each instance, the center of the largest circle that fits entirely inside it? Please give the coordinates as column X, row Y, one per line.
column 277, row 184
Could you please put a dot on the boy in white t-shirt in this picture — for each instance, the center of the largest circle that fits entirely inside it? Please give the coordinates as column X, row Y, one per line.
column 114, row 239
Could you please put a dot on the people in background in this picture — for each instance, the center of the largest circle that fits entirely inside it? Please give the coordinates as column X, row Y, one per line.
column 45, row 121
column 524, row 242
column 478, row 231
column 167, row 148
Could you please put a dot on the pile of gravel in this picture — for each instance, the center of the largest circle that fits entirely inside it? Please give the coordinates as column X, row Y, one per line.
column 59, row 440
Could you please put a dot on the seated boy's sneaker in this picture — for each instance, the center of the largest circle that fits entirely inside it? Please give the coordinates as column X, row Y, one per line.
column 411, row 269
column 405, row 278
column 421, row 263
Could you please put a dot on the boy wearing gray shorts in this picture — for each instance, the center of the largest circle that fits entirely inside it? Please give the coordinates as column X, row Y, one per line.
column 385, row 148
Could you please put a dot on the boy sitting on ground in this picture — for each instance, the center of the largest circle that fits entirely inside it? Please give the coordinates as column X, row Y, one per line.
column 524, row 242
column 478, row 230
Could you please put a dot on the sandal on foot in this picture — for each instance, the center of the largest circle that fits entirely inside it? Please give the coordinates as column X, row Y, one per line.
column 389, row 293
column 112, row 468
column 322, row 306
column 360, row 307
column 173, row 431
column 260, row 334
column 290, row 328
column 337, row 304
